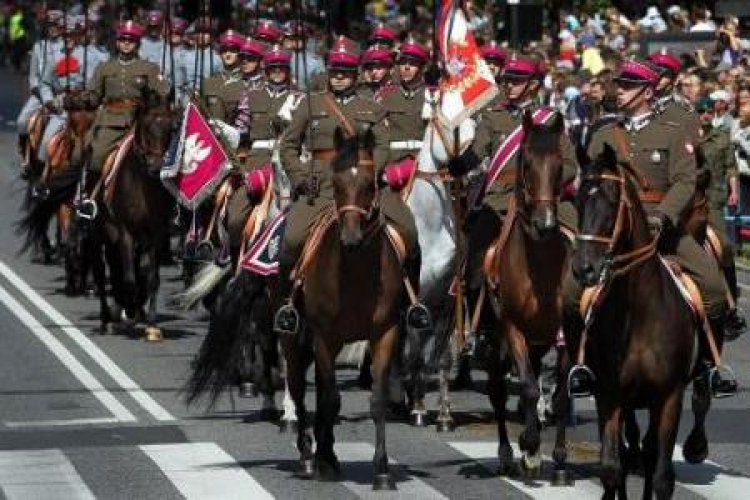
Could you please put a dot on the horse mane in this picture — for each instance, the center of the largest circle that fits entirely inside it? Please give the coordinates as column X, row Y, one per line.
column 543, row 139
column 347, row 148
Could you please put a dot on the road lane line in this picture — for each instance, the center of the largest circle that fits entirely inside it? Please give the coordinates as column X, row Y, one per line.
column 485, row 454
column 61, row 423
column 40, row 474
column 710, row 479
column 66, row 357
column 356, row 466
column 100, row 357
column 204, row 470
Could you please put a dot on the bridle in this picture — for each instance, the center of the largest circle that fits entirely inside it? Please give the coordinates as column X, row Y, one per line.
column 365, row 161
column 522, row 187
column 619, row 264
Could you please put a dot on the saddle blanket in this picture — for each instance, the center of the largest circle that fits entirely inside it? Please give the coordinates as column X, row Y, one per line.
column 262, row 255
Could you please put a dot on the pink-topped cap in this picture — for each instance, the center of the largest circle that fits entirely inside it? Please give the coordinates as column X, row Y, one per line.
column 666, row 61
column 639, row 72
column 130, row 29
column 231, row 38
column 377, row 54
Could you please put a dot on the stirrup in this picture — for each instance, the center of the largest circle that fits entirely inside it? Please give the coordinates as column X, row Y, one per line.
column 205, row 251
column 87, row 210
column 584, row 390
column 286, row 321
column 722, row 382
column 418, row 317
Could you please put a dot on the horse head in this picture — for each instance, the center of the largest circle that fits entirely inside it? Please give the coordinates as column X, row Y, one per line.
column 354, row 184
column 153, row 131
column 539, row 175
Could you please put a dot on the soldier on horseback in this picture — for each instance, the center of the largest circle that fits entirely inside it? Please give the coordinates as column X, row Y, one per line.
column 315, row 121
column 377, row 62
column 251, row 54
column 153, row 45
column 221, row 91
column 663, row 152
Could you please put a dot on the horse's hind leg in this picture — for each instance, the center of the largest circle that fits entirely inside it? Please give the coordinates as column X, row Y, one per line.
column 327, row 407
column 561, row 402
column 298, row 359
column 153, row 332
column 612, row 472
column 383, row 350
column 498, row 394
column 695, row 450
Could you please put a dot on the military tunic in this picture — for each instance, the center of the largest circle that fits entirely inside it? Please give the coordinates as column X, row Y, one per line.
column 221, row 93
column 315, row 118
column 118, row 86
column 42, row 54
column 404, row 113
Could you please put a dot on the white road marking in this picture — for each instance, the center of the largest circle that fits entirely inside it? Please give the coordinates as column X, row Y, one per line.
column 37, row 474
column 485, row 454
column 105, row 362
column 356, row 462
column 60, row 423
column 204, row 470
column 66, row 357
column 710, row 479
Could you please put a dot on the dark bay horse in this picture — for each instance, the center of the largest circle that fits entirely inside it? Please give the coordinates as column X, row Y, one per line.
column 353, row 290
column 642, row 343
column 134, row 220
column 524, row 269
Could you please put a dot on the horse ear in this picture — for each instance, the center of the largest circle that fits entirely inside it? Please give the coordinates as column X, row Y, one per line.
column 528, row 121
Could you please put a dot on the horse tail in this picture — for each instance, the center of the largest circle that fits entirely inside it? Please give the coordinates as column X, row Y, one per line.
column 204, row 282
column 34, row 225
column 231, row 327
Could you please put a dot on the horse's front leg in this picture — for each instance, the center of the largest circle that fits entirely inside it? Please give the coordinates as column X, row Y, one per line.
column 497, row 367
column 610, row 423
column 153, row 332
column 327, row 407
column 383, row 350
column 695, row 450
column 530, row 439
column 298, row 358
column 561, row 402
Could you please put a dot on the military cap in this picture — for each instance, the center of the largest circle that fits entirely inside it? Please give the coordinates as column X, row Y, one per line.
column 179, row 26
column 492, row 51
column 638, row 72
column 383, row 35
column 413, row 50
column 343, row 55
column 277, row 57
column 522, row 68
column 231, row 39
column 666, row 62
column 154, row 18
column 129, row 30
column 267, row 31
column 252, row 48
column 377, row 54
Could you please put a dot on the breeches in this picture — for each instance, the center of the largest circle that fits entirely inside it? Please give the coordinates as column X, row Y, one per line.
column 22, row 122
column 103, row 140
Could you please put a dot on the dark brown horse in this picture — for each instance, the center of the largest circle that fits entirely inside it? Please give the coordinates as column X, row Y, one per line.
column 353, row 291
column 642, row 342
column 524, row 269
column 134, row 216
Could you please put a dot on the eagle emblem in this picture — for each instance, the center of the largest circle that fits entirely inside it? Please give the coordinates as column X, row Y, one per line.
column 196, row 151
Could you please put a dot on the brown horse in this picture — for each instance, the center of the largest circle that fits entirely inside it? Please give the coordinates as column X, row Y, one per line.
column 642, row 343
column 524, row 269
column 353, row 290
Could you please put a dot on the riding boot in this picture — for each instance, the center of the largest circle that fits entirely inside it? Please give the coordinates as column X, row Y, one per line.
column 735, row 321
column 417, row 315
column 721, row 379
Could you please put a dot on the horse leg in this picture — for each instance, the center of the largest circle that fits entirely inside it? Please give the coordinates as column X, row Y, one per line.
column 632, row 457
column 92, row 253
column 613, row 474
column 562, row 403
column 415, row 384
column 498, row 394
column 668, row 420
column 129, row 291
column 298, row 359
column 153, row 332
column 289, row 418
column 383, row 350
column 67, row 249
column 327, row 407
column 445, row 420
column 695, row 450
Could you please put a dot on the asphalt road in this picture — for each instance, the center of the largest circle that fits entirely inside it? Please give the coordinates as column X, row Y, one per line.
column 90, row 416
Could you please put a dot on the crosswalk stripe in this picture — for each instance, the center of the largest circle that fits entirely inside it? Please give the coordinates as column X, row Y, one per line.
column 485, row 454
column 35, row 474
column 356, row 465
column 204, row 470
column 710, row 479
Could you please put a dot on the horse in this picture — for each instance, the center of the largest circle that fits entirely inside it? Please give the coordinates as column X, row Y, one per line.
column 642, row 347
column 524, row 269
column 353, row 291
column 133, row 220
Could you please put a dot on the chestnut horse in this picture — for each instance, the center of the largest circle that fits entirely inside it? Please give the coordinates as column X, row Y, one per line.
column 353, row 290
column 524, row 269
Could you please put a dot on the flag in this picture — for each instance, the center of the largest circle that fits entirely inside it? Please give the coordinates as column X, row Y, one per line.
column 469, row 84
column 196, row 162
column 262, row 255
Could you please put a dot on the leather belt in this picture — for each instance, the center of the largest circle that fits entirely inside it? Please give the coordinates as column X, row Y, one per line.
column 264, row 144
column 506, row 178
column 324, row 154
column 406, row 145
column 122, row 104
column 652, row 196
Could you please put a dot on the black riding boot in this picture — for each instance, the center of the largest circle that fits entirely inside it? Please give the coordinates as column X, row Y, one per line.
column 721, row 379
column 735, row 322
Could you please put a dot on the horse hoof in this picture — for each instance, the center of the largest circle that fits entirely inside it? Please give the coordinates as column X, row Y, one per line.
column 153, row 334
column 288, row 427
column 507, row 469
column 445, row 425
column 419, row 419
column 695, row 449
column 383, row 482
column 306, row 470
column 247, row 390
column 561, row 477
column 327, row 471
column 531, row 466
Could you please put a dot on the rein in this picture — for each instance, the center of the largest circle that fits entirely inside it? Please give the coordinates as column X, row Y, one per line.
column 364, row 213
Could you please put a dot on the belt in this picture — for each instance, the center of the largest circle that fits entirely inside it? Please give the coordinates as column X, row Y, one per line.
column 652, row 196
column 406, row 144
column 264, row 144
column 324, row 154
column 122, row 104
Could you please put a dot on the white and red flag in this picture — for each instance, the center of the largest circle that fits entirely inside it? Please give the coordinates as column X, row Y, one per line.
column 196, row 163
column 469, row 84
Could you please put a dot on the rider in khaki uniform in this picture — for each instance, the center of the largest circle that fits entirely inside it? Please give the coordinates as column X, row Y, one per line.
column 663, row 151
column 222, row 90
column 313, row 125
column 666, row 104
column 377, row 62
column 251, row 55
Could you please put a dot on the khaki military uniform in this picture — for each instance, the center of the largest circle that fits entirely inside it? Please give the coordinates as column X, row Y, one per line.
column 495, row 123
column 221, row 93
column 663, row 152
column 118, row 86
column 316, row 118
column 403, row 108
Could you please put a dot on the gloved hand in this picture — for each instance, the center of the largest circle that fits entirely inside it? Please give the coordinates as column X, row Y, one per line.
column 432, row 76
column 458, row 166
column 662, row 227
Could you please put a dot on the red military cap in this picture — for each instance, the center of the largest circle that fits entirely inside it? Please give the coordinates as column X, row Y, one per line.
column 383, row 35
column 178, row 26
column 267, row 31
column 377, row 54
column 154, row 18
column 666, row 62
column 231, row 39
column 492, row 51
column 277, row 57
column 253, row 48
column 343, row 55
column 522, row 68
column 638, row 72
column 130, row 30
column 411, row 49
